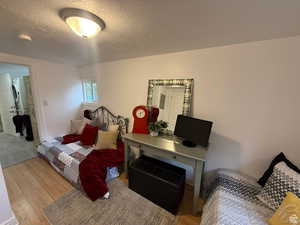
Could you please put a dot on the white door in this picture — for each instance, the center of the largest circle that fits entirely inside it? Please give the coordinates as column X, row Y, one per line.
column 30, row 109
column 7, row 105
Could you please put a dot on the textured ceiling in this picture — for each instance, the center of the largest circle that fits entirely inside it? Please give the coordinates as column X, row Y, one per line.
column 142, row 27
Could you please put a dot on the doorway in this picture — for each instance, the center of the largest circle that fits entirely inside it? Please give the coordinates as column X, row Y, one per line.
column 18, row 126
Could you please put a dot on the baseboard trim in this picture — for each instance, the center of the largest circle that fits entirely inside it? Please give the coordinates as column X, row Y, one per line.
column 11, row 221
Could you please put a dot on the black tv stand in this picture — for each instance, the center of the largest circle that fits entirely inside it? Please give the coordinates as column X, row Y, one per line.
column 189, row 144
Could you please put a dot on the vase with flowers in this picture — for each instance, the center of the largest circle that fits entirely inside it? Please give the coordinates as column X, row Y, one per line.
column 156, row 127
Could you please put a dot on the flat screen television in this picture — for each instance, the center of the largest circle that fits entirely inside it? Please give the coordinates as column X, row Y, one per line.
column 193, row 131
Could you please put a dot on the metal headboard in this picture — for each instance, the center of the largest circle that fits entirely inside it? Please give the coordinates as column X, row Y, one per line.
column 104, row 116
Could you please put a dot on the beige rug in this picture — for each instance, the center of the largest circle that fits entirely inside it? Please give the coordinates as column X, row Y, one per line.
column 124, row 207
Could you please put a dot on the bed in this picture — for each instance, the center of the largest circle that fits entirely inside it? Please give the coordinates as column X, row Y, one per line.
column 232, row 201
column 50, row 150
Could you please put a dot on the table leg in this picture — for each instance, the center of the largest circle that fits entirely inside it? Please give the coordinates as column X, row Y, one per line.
column 126, row 158
column 199, row 165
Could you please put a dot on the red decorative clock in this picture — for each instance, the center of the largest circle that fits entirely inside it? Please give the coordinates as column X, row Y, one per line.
column 140, row 115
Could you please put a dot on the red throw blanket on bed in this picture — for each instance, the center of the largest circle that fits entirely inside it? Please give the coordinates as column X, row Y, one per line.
column 92, row 170
column 70, row 138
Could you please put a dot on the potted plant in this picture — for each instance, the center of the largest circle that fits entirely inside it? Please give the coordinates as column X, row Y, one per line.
column 157, row 127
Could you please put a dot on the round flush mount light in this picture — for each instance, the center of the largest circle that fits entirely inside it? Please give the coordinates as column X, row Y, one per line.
column 83, row 23
column 25, row 37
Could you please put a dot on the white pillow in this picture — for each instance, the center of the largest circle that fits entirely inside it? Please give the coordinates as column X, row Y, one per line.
column 75, row 126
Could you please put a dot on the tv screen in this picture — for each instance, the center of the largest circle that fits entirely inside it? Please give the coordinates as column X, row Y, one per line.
column 193, row 130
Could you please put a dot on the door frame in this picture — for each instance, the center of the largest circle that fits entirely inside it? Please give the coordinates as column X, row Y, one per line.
column 35, row 94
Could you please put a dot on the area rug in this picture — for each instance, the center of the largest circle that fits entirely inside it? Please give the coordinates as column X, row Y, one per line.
column 124, row 207
column 14, row 150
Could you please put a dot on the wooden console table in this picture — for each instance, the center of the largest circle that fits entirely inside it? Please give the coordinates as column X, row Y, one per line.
column 172, row 150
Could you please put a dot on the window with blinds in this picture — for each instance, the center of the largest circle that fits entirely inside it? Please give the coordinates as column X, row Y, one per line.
column 89, row 88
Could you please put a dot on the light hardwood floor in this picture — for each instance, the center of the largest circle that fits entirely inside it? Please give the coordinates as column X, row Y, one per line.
column 34, row 184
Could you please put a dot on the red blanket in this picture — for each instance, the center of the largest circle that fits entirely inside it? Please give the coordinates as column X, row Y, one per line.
column 70, row 138
column 92, row 170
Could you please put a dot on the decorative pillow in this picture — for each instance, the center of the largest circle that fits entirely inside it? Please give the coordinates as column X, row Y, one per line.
column 282, row 180
column 88, row 135
column 85, row 121
column 112, row 127
column 107, row 140
column 75, row 126
column 288, row 212
column 279, row 158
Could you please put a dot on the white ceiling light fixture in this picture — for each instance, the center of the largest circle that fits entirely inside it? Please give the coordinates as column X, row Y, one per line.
column 25, row 37
column 83, row 23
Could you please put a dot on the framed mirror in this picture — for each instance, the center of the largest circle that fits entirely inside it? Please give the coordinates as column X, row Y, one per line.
column 172, row 97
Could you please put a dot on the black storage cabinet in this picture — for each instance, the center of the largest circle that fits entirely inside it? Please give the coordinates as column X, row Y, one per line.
column 159, row 182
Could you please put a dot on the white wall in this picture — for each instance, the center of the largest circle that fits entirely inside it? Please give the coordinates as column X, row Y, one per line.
column 251, row 92
column 6, row 213
column 57, row 93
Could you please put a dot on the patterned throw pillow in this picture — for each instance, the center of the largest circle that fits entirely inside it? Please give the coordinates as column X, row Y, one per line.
column 279, row 158
column 282, row 180
column 288, row 212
